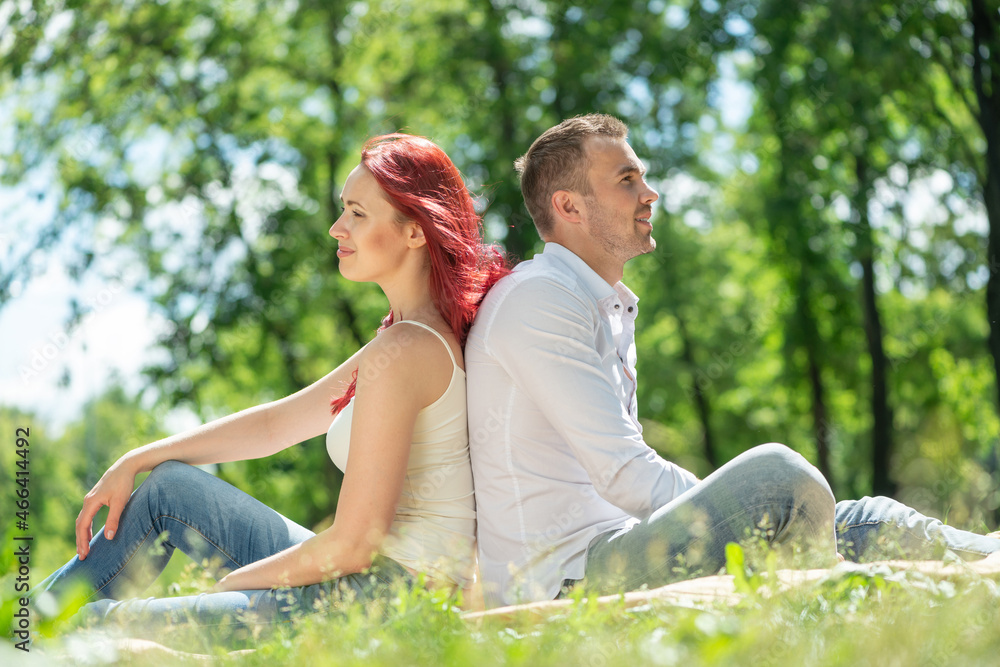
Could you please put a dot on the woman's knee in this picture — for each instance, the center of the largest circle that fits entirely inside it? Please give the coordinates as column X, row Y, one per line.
column 171, row 480
column 169, row 473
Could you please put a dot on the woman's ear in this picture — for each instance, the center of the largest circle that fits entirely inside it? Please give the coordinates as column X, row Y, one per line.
column 415, row 235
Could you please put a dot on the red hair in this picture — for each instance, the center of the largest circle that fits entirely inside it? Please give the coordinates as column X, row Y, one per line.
column 424, row 186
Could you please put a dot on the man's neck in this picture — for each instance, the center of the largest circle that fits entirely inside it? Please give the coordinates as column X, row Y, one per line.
column 608, row 268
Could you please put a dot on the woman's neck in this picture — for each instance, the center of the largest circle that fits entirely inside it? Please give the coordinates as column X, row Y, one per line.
column 426, row 312
column 412, row 300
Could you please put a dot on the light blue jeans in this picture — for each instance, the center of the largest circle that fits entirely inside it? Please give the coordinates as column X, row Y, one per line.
column 769, row 495
column 182, row 507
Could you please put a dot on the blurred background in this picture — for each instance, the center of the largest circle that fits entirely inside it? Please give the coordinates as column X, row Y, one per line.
column 828, row 263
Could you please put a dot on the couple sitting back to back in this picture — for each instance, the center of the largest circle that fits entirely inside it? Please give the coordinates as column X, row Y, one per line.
column 566, row 492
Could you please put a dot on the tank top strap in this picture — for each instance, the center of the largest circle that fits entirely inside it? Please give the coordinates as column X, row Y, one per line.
column 439, row 337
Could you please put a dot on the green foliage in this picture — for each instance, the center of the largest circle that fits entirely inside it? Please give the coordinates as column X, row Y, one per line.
column 850, row 618
column 62, row 468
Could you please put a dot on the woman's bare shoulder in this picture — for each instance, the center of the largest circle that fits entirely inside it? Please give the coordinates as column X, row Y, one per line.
column 411, row 354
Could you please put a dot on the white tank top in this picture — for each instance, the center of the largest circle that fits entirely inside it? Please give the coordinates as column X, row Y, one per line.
column 435, row 524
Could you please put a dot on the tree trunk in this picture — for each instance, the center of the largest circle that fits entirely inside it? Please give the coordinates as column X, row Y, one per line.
column 986, row 79
column 882, row 483
column 798, row 278
column 506, row 114
column 821, row 422
column 700, row 399
column 993, row 285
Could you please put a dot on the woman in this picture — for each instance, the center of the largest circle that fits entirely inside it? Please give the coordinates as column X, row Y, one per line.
column 399, row 433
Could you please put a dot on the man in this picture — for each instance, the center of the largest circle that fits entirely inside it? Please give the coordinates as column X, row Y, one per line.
column 566, row 489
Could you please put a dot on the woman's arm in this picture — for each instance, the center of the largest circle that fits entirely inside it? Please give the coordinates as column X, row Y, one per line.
column 249, row 434
column 392, row 388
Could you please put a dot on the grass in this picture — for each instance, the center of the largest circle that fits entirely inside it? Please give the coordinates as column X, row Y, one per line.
column 879, row 617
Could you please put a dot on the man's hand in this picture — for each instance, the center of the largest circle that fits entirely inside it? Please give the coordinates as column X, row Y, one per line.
column 113, row 490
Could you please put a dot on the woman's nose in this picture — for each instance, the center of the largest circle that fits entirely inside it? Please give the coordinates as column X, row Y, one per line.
column 337, row 230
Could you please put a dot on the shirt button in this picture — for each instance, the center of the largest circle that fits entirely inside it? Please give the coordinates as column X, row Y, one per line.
column 630, row 309
column 617, row 306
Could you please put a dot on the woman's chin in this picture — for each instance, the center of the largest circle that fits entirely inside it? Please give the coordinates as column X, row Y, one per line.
column 354, row 276
column 345, row 271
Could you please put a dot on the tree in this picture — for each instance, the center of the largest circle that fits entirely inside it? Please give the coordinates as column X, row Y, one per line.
column 952, row 89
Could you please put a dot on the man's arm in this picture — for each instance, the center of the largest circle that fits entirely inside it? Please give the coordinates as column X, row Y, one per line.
column 543, row 334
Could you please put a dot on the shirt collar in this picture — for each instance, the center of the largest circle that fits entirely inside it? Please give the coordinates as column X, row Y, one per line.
column 595, row 284
column 627, row 296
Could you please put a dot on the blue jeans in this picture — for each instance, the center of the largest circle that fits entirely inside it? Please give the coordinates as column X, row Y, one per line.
column 182, row 507
column 768, row 494
column 881, row 528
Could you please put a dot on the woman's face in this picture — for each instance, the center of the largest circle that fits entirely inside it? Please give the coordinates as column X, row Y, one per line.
column 372, row 243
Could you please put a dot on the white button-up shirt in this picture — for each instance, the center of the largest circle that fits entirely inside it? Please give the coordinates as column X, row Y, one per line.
column 554, row 435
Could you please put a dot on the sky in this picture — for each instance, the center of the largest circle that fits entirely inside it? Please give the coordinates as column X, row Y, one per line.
column 116, row 335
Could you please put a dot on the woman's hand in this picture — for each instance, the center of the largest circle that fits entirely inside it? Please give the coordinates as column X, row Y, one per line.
column 113, row 489
column 221, row 586
column 249, row 434
column 319, row 558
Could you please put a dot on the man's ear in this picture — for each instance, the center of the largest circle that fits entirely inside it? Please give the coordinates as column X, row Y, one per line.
column 566, row 206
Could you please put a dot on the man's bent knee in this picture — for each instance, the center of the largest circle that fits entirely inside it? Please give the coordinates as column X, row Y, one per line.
column 778, row 462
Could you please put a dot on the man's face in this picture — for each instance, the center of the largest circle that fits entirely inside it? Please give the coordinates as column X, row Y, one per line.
column 619, row 206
